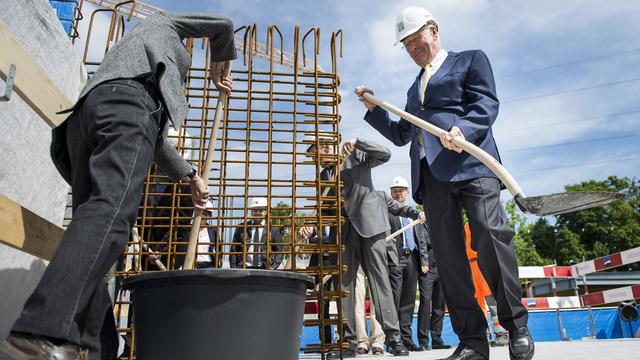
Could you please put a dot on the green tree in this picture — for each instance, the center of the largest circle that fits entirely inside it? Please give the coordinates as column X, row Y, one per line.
column 281, row 218
column 615, row 227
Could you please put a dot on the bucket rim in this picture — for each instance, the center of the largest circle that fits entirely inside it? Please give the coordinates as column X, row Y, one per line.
column 131, row 282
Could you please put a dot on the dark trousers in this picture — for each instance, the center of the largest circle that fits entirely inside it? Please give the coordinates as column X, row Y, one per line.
column 371, row 253
column 324, row 332
column 431, row 309
column 404, row 279
column 493, row 240
column 112, row 138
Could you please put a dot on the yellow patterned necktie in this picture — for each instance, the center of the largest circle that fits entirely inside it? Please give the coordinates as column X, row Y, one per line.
column 426, row 75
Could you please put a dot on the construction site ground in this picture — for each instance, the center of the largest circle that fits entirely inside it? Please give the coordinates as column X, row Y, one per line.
column 619, row 349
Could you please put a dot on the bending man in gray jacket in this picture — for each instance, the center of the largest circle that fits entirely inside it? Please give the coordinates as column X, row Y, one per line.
column 363, row 233
column 104, row 150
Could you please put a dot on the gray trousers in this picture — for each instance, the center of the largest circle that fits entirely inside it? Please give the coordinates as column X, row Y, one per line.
column 491, row 237
column 112, row 139
column 371, row 254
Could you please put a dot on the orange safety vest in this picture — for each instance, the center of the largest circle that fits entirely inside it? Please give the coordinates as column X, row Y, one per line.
column 480, row 284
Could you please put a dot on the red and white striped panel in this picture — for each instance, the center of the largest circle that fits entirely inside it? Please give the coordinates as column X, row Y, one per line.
column 541, row 272
column 612, row 296
column 554, row 302
column 607, row 262
column 603, row 263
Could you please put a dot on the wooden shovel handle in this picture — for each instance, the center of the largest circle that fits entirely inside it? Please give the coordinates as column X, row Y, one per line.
column 478, row 153
column 145, row 248
column 403, row 229
column 204, row 174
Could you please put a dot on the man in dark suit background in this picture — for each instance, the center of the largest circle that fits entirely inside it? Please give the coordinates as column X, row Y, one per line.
column 251, row 238
column 456, row 92
column 412, row 261
column 327, row 234
column 431, row 308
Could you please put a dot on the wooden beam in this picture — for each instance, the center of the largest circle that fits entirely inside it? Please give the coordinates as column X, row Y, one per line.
column 31, row 82
column 26, row 231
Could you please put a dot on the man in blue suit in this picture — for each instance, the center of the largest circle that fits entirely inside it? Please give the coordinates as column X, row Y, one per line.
column 456, row 92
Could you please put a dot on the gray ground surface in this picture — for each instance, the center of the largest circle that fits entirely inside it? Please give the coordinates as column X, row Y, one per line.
column 621, row 349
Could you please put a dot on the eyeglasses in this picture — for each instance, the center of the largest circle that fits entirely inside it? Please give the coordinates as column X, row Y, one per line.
column 408, row 43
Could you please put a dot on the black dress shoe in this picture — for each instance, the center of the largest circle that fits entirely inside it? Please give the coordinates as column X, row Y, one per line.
column 521, row 345
column 411, row 346
column 465, row 353
column 346, row 354
column 439, row 346
column 19, row 346
column 397, row 348
column 456, row 352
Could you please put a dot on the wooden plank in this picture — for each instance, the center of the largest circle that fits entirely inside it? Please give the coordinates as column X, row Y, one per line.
column 31, row 82
column 26, row 231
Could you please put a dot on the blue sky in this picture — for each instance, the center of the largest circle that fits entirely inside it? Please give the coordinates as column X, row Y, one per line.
column 566, row 72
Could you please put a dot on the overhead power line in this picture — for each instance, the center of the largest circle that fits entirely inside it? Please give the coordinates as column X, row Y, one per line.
column 563, row 92
column 605, row 56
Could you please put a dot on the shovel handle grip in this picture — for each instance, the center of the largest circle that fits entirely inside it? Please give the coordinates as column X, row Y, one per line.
column 475, row 151
column 197, row 214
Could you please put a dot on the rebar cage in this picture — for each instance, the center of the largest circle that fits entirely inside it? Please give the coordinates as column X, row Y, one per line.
column 273, row 115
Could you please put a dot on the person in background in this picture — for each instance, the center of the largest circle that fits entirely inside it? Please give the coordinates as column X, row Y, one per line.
column 483, row 293
column 364, row 231
column 251, row 238
column 412, row 260
column 207, row 241
column 325, row 153
column 374, row 338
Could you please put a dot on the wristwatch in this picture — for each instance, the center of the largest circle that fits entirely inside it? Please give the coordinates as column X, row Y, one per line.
column 190, row 175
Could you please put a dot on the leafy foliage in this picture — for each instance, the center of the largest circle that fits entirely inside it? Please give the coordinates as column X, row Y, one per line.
column 585, row 234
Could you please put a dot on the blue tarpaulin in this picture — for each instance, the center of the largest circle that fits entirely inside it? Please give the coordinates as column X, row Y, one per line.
column 542, row 324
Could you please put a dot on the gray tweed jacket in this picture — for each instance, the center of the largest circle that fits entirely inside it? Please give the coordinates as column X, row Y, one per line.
column 365, row 209
column 154, row 48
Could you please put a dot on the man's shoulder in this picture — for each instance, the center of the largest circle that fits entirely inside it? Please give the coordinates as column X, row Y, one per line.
column 468, row 54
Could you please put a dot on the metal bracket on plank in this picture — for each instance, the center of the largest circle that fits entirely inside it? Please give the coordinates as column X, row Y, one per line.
column 8, row 90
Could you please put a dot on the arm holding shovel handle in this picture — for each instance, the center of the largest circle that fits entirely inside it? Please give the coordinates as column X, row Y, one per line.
column 543, row 205
column 223, row 84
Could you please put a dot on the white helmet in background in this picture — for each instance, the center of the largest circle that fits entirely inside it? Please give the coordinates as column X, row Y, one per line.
column 172, row 138
column 258, row 203
column 399, row 181
column 410, row 20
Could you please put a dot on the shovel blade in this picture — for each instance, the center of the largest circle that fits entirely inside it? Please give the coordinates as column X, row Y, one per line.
column 563, row 203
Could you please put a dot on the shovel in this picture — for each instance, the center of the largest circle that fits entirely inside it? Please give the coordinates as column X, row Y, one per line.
column 197, row 214
column 536, row 205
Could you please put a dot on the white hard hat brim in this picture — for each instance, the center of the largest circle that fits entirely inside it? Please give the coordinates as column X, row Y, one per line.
column 409, row 33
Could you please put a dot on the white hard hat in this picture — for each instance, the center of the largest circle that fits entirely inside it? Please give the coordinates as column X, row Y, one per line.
column 172, row 138
column 399, row 181
column 311, row 139
column 258, row 203
column 410, row 20
column 208, row 206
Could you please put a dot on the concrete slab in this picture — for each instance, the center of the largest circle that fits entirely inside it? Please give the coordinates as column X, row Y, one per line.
column 619, row 349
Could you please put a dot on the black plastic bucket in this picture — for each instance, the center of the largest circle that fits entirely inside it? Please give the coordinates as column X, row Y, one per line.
column 218, row 314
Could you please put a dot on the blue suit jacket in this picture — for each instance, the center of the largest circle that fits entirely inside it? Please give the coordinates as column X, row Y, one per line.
column 461, row 93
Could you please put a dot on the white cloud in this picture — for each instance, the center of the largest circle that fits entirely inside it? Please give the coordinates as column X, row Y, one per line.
column 518, row 37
